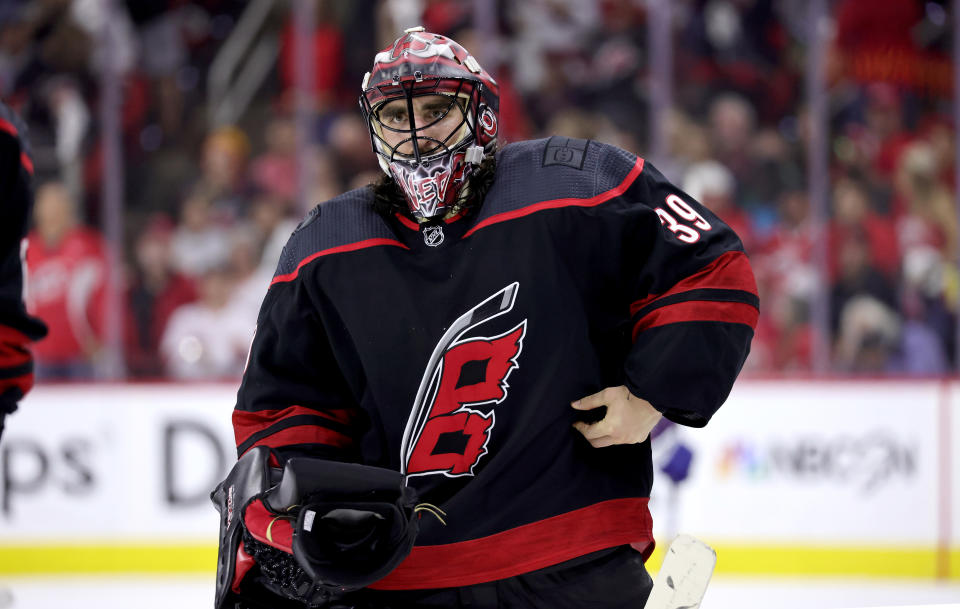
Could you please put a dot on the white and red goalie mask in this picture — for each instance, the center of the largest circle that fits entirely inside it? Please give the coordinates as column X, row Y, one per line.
column 431, row 167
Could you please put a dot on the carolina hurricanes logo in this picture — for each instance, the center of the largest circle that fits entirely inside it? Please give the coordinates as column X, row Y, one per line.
column 488, row 122
column 447, row 433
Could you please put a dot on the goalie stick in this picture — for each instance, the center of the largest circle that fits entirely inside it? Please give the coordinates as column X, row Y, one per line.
column 683, row 577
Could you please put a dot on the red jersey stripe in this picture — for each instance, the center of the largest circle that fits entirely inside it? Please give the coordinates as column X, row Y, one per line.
column 730, row 271
column 303, row 434
column 23, row 382
column 407, row 222
column 569, row 202
column 525, row 548
column 350, row 247
column 12, row 335
column 245, row 424
column 699, row 310
column 9, row 127
column 12, row 357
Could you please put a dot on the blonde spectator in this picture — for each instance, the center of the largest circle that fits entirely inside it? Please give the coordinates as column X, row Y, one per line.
column 930, row 219
column 225, row 156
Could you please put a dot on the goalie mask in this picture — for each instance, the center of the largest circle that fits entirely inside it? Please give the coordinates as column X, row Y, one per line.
column 432, row 112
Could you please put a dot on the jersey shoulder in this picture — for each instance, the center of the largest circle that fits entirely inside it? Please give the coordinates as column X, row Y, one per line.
column 342, row 223
column 554, row 168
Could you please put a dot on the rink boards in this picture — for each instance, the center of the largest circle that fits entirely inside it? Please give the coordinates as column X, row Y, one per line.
column 849, row 478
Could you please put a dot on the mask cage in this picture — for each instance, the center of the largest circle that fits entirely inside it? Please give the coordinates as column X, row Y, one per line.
column 465, row 96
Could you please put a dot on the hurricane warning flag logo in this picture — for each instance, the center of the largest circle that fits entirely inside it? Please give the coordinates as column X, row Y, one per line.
column 452, row 417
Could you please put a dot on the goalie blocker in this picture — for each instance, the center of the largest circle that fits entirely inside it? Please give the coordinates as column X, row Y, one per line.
column 309, row 533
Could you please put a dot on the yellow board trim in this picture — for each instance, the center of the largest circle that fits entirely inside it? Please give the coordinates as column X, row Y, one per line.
column 732, row 559
column 100, row 558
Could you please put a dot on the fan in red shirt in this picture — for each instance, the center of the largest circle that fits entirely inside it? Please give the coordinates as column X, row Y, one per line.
column 68, row 270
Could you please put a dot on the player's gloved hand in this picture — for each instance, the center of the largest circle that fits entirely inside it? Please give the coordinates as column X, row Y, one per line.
column 628, row 419
column 304, row 535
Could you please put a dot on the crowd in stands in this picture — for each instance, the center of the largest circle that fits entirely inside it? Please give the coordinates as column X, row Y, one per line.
column 208, row 207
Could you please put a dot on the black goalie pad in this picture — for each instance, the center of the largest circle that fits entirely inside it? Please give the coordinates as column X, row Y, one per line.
column 250, row 477
column 309, row 534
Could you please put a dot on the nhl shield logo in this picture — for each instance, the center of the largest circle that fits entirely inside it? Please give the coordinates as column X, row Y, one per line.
column 433, row 235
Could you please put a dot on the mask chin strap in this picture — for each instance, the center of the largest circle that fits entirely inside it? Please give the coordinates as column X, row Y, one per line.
column 474, row 155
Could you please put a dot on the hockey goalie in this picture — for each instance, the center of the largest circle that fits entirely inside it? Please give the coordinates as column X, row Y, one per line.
column 456, row 370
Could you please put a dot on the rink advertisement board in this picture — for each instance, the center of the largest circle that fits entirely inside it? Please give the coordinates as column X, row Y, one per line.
column 835, row 477
column 827, row 477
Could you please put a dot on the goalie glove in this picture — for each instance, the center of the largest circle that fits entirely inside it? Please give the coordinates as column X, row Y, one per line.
column 311, row 532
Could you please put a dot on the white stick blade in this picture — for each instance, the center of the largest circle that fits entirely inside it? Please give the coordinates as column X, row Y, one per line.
column 683, row 577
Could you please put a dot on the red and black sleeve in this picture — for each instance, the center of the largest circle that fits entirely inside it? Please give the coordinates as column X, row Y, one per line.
column 694, row 303
column 17, row 328
column 294, row 398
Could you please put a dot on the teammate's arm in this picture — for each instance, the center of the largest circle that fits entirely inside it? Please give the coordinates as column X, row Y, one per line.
column 17, row 328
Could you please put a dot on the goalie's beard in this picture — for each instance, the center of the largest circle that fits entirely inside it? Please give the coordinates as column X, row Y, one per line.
column 388, row 197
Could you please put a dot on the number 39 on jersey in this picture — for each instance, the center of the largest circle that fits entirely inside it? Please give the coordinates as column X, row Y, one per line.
column 682, row 209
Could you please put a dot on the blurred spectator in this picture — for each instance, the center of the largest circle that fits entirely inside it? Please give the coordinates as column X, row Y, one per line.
column 732, row 121
column 929, row 219
column 884, row 122
column 552, row 33
column 868, row 337
column 926, row 325
column 163, row 53
column 208, row 339
column 272, row 227
column 349, row 144
column 156, row 290
column 712, row 184
column 251, row 280
column 71, row 124
column 224, row 181
column 326, row 44
column 854, row 220
column 68, row 276
column 689, row 141
column 275, row 169
column 324, row 180
column 856, row 277
column 788, row 280
column 199, row 243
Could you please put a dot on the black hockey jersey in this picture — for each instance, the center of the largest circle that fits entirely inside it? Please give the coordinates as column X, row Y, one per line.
column 17, row 328
column 451, row 351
